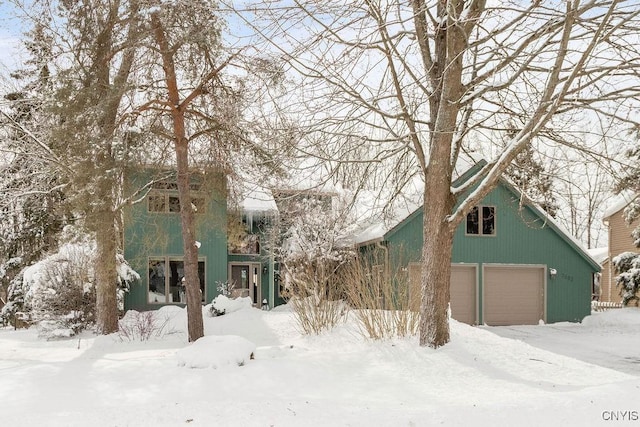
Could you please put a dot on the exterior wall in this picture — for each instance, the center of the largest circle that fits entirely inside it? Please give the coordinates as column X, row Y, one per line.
column 257, row 222
column 620, row 241
column 521, row 238
column 158, row 234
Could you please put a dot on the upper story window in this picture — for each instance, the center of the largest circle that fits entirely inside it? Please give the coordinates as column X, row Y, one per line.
column 170, row 202
column 481, row 221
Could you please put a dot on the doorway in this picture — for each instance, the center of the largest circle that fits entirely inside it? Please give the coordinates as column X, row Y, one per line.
column 245, row 281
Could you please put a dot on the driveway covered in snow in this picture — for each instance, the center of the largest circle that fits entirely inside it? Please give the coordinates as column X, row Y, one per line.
column 610, row 339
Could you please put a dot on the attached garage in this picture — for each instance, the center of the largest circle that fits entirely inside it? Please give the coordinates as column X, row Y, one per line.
column 512, row 264
column 463, row 291
column 513, row 294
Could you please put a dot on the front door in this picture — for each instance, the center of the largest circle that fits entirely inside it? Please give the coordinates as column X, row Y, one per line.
column 245, row 281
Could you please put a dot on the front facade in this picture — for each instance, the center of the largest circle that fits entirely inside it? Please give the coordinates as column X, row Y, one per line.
column 619, row 241
column 237, row 263
column 510, row 264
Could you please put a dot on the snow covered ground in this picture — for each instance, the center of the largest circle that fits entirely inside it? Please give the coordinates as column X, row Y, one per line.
column 336, row 379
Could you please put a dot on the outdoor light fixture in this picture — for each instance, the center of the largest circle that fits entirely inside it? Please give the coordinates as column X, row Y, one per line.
column 553, row 272
column 265, row 269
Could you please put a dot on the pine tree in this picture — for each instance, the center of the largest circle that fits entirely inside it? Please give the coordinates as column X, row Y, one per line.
column 32, row 202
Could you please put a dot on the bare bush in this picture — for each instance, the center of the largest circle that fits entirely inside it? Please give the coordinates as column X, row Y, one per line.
column 316, row 313
column 142, row 326
column 315, row 295
column 384, row 303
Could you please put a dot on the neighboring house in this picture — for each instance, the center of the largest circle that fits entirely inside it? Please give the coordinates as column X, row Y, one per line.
column 511, row 263
column 153, row 243
column 619, row 241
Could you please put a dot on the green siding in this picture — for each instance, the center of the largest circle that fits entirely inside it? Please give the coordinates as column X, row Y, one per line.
column 522, row 237
column 150, row 234
column 259, row 226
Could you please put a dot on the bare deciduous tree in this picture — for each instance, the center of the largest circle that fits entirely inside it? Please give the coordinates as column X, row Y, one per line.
column 422, row 84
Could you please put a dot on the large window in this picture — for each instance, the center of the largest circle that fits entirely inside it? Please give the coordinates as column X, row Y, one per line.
column 165, row 280
column 481, row 221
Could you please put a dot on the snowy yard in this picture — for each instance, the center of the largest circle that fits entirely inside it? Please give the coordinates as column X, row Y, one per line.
column 483, row 377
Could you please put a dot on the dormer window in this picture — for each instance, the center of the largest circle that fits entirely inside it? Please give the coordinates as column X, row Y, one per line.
column 481, row 221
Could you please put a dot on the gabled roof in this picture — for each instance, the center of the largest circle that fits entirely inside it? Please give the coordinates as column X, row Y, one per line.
column 378, row 233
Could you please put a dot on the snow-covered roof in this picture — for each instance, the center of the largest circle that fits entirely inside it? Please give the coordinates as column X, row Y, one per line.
column 412, row 199
column 257, row 199
column 620, row 202
column 599, row 254
column 376, row 231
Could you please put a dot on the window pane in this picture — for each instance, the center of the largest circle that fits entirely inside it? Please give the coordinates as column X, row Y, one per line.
column 201, row 277
column 156, row 203
column 174, row 204
column 176, row 290
column 472, row 221
column 157, row 290
column 488, row 220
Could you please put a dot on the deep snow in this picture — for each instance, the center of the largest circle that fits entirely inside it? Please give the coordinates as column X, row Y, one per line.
column 337, row 378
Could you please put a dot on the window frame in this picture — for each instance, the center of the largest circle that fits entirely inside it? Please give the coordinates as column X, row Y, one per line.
column 172, row 200
column 168, row 293
column 480, row 222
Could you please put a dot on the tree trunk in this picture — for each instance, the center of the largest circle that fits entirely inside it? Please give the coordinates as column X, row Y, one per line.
column 195, row 324
column 105, row 272
column 450, row 43
column 436, row 257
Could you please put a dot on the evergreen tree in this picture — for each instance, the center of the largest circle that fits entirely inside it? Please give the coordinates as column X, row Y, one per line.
column 32, row 202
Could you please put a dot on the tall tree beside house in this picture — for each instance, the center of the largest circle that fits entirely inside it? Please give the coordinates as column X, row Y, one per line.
column 127, row 70
column 92, row 53
column 419, row 84
column 195, row 106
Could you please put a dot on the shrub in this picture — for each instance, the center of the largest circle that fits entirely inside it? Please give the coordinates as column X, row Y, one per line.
column 384, row 303
column 142, row 326
column 58, row 292
column 61, row 292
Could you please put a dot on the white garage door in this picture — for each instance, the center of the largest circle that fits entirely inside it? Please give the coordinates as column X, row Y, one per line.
column 463, row 293
column 513, row 295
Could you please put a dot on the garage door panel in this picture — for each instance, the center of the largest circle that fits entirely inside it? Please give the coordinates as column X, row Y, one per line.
column 513, row 295
column 463, row 293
